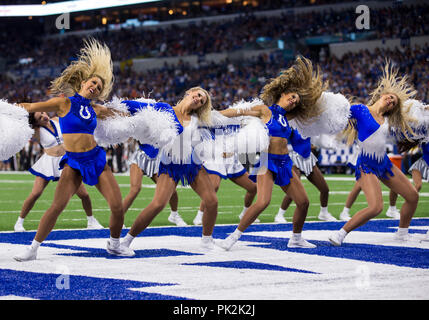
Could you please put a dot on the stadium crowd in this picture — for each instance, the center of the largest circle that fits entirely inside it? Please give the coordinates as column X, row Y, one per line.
column 354, row 74
column 220, row 36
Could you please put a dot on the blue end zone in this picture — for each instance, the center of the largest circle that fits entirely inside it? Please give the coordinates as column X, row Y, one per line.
column 44, row 286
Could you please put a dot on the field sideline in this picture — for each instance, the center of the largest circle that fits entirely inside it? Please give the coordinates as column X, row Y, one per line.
column 15, row 187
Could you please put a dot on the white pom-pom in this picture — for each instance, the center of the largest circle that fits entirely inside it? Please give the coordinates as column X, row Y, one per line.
column 113, row 130
column 334, row 116
column 15, row 132
column 419, row 113
column 155, row 127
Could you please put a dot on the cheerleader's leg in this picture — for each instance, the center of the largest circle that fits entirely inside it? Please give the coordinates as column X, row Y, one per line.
column 174, row 200
column 205, row 189
column 400, row 184
column 83, row 195
column 38, row 188
column 287, row 200
column 317, row 179
column 371, row 187
column 215, row 181
column 264, row 183
column 109, row 188
column 247, row 184
column 67, row 186
column 417, row 179
column 136, row 176
column 296, row 191
column 165, row 187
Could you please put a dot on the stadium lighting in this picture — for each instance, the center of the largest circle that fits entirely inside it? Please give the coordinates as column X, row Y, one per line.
column 57, row 8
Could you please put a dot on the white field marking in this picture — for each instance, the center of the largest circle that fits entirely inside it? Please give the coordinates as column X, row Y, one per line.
column 334, row 274
column 373, row 238
column 12, row 297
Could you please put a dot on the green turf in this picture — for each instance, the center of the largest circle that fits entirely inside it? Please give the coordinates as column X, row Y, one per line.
column 14, row 188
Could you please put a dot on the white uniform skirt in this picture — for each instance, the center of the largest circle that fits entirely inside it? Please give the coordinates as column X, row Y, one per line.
column 47, row 167
column 149, row 166
column 422, row 166
column 226, row 168
column 305, row 165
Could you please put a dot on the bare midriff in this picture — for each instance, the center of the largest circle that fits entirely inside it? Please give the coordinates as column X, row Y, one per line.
column 56, row 151
column 278, row 145
column 79, row 142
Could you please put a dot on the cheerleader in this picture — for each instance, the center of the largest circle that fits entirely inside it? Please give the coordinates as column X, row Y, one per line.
column 180, row 163
column 88, row 79
column 419, row 172
column 304, row 161
column 369, row 126
column 46, row 169
column 292, row 94
column 228, row 167
column 145, row 161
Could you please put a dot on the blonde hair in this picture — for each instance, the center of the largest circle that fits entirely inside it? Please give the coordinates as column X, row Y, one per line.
column 204, row 112
column 302, row 79
column 94, row 61
column 398, row 118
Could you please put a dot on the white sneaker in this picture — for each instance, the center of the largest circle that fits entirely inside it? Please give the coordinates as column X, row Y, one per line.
column 326, row 216
column 256, row 220
column 301, row 243
column 393, row 214
column 121, row 250
column 28, row 255
column 207, row 243
column 279, row 218
column 228, row 242
column 345, row 216
column 335, row 239
column 198, row 220
column 19, row 227
column 93, row 224
column 177, row 220
column 402, row 237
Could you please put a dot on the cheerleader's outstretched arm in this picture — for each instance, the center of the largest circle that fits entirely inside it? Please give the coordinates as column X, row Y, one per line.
column 259, row 111
column 59, row 105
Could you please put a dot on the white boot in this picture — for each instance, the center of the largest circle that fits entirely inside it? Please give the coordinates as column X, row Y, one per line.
column 198, row 220
column 325, row 215
column 93, row 223
column 19, row 225
column 175, row 218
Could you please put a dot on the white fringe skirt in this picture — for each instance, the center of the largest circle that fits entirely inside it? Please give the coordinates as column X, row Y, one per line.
column 422, row 166
column 305, row 165
column 149, row 166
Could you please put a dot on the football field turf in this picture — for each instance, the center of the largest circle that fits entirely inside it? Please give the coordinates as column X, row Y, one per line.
column 15, row 187
column 169, row 264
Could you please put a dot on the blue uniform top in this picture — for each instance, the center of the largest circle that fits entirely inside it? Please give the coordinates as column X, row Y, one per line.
column 365, row 122
column 81, row 117
column 299, row 144
column 135, row 106
column 278, row 126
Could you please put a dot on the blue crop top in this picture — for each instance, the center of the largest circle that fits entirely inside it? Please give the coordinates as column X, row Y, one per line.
column 299, row 144
column 278, row 126
column 81, row 117
column 365, row 122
